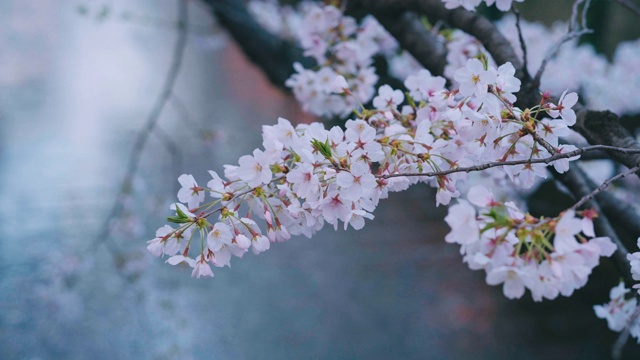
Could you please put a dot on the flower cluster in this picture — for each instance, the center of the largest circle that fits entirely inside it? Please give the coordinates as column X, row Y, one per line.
column 621, row 312
column 548, row 256
column 307, row 176
column 340, row 46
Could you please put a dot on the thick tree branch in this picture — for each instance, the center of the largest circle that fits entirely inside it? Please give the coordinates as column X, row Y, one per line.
column 414, row 37
column 467, row 21
column 275, row 56
column 603, row 127
column 470, row 22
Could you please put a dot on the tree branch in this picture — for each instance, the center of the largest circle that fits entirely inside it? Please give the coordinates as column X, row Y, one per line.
column 470, row 22
column 547, row 160
column 275, row 56
column 603, row 127
column 523, row 44
column 604, row 185
column 414, row 37
column 152, row 119
column 575, row 31
column 620, row 212
column 574, row 180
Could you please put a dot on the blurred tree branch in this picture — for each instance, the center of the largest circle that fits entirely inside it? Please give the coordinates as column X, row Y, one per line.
column 149, row 127
column 274, row 56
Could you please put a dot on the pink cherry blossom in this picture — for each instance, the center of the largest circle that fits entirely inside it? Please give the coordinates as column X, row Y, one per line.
column 563, row 109
column 566, row 230
column 513, row 278
column 474, row 79
column 388, row 98
column 201, row 268
column 255, row 169
column 190, row 192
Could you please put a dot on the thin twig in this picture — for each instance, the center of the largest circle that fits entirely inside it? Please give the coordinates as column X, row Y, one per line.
column 183, row 113
column 575, row 180
column 575, row 30
column 616, row 350
column 544, row 143
column 523, row 45
column 547, row 160
column 603, row 186
column 152, row 119
column 174, row 151
column 584, row 14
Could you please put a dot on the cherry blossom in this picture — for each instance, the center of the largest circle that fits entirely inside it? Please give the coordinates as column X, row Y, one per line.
column 254, row 169
column 619, row 311
column 190, row 192
column 474, row 79
column 201, row 268
column 387, row 98
column 563, row 109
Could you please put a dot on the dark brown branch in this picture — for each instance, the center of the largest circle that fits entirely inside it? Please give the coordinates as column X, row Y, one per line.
column 275, row 56
column 470, row 22
column 523, row 44
column 603, row 127
column 414, row 37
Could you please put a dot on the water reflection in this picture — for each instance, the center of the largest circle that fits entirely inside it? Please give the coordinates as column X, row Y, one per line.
column 75, row 89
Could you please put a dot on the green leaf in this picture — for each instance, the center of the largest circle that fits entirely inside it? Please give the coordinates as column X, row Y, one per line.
column 180, row 213
column 322, row 147
column 177, row 220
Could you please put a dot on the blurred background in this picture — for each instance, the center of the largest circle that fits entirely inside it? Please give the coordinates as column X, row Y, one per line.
column 78, row 80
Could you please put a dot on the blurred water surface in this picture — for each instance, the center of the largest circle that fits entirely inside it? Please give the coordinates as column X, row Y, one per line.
column 77, row 80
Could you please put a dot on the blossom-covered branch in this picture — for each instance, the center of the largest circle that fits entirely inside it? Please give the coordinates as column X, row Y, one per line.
column 486, row 114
